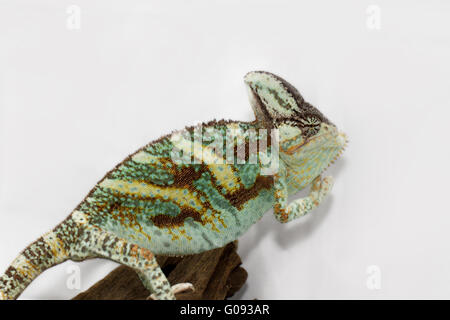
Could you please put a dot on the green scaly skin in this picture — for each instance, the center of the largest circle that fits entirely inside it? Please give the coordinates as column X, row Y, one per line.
column 160, row 200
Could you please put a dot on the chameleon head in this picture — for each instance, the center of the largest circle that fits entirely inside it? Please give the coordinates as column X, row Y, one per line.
column 307, row 139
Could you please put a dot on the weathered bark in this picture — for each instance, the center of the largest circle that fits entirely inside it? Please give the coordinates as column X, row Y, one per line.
column 215, row 274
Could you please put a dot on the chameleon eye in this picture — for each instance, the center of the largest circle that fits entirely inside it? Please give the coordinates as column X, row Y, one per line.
column 310, row 125
column 311, row 131
column 310, row 121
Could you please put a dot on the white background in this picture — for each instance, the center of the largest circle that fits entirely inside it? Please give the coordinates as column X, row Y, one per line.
column 74, row 103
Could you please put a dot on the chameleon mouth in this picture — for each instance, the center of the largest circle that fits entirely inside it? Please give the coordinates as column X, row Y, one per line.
column 297, row 147
column 341, row 140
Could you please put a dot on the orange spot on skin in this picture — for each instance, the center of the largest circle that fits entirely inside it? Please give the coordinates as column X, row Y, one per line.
column 283, row 213
column 174, row 236
column 127, row 218
column 183, row 232
column 146, row 254
column 119, row 247
column 134, row 251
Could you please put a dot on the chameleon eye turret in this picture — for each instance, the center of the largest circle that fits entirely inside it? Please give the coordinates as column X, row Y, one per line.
column 151, row 203
column 273, row 99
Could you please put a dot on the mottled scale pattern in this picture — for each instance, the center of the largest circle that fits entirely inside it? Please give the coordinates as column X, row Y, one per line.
column 179, row 208
column 194, row 190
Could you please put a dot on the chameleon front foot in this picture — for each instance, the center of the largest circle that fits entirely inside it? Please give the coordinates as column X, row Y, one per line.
column 178, row 288
column 321, row 187
column 285, row 212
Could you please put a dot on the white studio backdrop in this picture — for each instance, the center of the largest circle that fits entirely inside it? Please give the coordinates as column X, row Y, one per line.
column 83, row 84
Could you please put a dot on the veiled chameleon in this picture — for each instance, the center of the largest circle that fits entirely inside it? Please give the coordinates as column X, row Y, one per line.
column 194, row 190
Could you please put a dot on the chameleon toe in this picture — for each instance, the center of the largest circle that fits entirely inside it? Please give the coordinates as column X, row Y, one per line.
column 177, row 288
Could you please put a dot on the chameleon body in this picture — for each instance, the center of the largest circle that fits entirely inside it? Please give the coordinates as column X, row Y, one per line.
column 187, row 192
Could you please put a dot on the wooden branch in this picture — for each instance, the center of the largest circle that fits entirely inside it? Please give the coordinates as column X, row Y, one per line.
column 215, row 274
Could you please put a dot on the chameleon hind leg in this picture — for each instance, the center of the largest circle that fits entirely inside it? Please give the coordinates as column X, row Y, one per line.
column 106, row 245
column 285, row 212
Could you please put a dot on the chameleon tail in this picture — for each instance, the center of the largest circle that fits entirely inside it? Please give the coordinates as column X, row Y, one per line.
column 52, row 248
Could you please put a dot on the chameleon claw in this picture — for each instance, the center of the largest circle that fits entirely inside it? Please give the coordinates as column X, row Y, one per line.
column 316, row 184
column 178, row 288
column 183, row 287
column 326, row 185
column 321, row 187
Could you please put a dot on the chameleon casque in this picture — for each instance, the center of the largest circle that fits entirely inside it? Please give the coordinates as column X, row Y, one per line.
column 153, row 203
